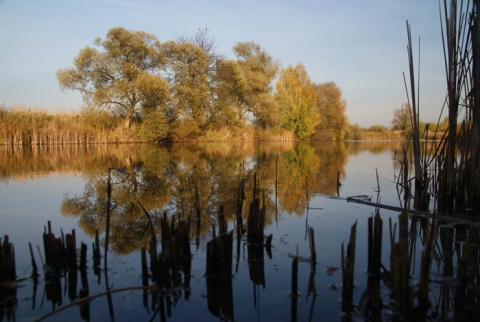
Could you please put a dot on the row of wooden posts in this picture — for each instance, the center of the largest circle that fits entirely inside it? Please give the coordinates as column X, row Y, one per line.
column 60, row 260
column 170, row 269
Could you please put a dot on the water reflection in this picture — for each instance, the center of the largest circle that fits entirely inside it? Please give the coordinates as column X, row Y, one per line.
column 201, row 198
column 193, row 182
column 190, row 179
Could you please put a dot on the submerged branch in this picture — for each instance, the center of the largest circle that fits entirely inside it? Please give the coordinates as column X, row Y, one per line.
column 109, row 292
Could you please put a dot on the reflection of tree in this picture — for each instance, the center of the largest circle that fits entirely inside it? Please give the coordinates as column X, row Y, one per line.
column 194, row 181
column 297, row 167
column 308, row 169
column 372, row 146
column 332, row 158
column 130, row 187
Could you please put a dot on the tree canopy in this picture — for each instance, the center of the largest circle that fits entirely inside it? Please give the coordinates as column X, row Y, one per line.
column 297, row 98
column 259, row 70
column 184, row 88
column 123, row 73
column 331, row 108
column 402, row 119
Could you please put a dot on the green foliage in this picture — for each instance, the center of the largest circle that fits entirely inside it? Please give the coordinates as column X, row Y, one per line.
column 154, row 126
column 402, row 119
column 353, row 132
column 259, row 70
column 296, row 98
column 187, row 67
column 378, row 129
column 331, row 108
column 134, row 76
column 230, row 90
column 185, row 129
column 122, row 75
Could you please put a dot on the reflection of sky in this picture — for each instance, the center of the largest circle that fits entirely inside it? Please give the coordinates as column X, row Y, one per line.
column 361, row 176
column 26, row 207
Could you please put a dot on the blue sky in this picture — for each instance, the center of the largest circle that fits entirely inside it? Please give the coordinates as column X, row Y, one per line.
column 359, row 45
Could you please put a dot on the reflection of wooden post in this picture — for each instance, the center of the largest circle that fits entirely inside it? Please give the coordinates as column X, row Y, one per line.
column 313, row 260
column 239, row 219
column 7, row 274
column 294, row 293
column 400, row 268
column 446, row 290
column 311, row 239
column 72, row 284
column 348, row 265
column 425, row 266
column 7, row 261
column 256, row 223
column 96, row 250
column 34, row 264
column 71, row 250
column 276, row 189
column 198, row 213
column 85, row 306
column 338, row 184
column 107, row 226
column 219, row 276
column 83, row 256
column 375, row 228
column 55, row 252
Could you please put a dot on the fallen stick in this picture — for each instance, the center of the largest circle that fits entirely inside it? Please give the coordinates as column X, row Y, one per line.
column 412, row 212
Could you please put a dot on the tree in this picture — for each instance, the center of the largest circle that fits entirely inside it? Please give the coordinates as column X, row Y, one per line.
column 296, row 98
column 187, row 71
column 331, row 108
column 259, row 69
column 154, row 127
column 202, row 40
column 122, row 74
column 402, row 119
column 230, row 91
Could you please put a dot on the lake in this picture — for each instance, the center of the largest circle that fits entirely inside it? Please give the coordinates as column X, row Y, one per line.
column 221, row 226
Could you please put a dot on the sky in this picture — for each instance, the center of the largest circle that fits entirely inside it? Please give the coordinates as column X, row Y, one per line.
column 359, row 45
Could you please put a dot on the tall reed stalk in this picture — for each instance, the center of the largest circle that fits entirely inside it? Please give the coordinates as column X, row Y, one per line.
column 421, row 199
column 458, row 171
column 455, row 163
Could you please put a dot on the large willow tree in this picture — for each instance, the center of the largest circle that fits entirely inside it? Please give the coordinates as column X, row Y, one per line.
column 258, row 72
column 331, row 108
column 121, row 73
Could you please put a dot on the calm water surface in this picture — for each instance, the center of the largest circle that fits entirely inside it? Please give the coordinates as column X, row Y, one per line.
column 297, row 184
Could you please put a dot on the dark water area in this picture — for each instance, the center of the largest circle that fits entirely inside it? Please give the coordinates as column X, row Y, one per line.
column 228, row 222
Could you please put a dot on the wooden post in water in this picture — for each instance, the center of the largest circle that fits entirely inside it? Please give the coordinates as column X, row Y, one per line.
column 7, row 261
column 375, row 228
column 294, row 293
column 219, row 277
column 313, row 262
column 96, row 250
column 348, row 270
column 71, row 250
column 107, row 225
column 34, row 264
column 400, row 268
column 83, row 256
column 426, row 261
column 7, row 276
